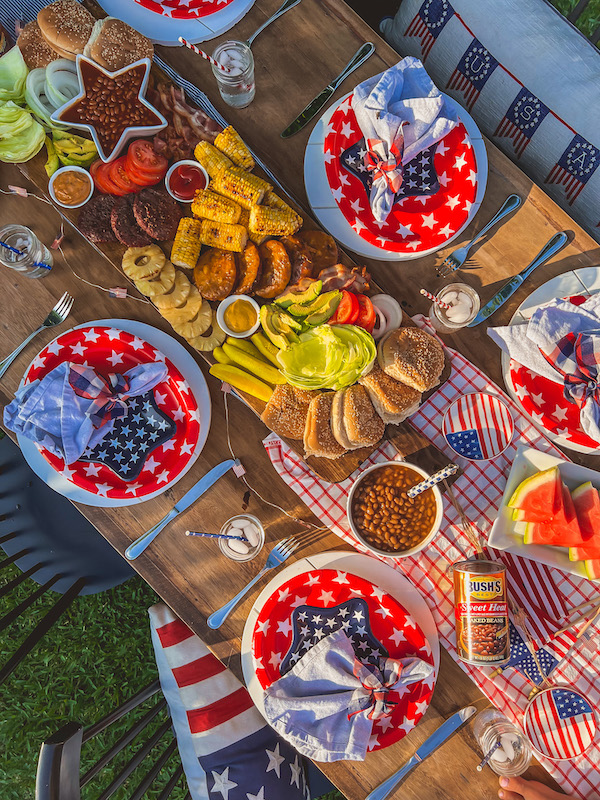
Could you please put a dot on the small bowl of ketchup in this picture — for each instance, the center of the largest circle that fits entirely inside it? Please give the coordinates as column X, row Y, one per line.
column 184, row 179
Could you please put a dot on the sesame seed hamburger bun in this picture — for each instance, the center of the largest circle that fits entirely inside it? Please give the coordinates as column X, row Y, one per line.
column 113, row 44
column 35, row 50
column 412, row 356
column 394, row 401
column 354, row 421
column 318, row 435
column 66, row 26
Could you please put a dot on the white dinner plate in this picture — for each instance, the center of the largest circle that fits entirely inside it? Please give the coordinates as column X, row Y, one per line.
column 367, row 567
column 327, row 211
column 504, row 534
column 188, row 367
column 166, row 31
column 585, row 281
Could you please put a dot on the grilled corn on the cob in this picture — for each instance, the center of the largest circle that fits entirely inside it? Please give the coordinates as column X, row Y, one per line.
column 223, row 236
column 244, row 220
column 209, row 205
column 213, row 160
column 241, row 186
column 187, row 244
column 265, row 221
column 232, row 144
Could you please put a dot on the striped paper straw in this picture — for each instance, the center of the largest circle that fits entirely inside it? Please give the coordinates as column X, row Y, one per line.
column 21, row 252
column 436, row 478
column 435, row 300
column 203, row 54
column 216, row 536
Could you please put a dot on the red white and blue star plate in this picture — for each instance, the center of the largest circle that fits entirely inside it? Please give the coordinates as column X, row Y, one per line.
column 478, row 426
column 172, row 408
column 317, row 602
column 184, row 9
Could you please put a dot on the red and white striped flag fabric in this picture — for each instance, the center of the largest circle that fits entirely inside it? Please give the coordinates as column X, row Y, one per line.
column 560, row 723
column 478, row 426
column 237, row 753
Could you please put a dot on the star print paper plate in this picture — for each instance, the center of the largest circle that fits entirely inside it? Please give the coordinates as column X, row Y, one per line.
column 307, row 607
column 184, row 9
column 442, row 190
column 150, row 447
column 541, row 399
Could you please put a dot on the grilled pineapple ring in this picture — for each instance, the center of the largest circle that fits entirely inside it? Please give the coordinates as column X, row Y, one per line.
column 143, row 262
column 196, row 326
column 177, row 296
column 159, row 285
column 187, row 312
column 215, row 339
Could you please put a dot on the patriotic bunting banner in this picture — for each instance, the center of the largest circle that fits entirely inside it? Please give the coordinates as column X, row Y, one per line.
column 429, row 22
column 522, row 119
column 472, row 72
column 575, row 167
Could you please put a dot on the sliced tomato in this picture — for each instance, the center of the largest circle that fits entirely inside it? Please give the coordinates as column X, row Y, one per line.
column 102, row 179
column 120, row 177
column 143, row 160
column 141, row 178
column 348, row 310
column 366, row 313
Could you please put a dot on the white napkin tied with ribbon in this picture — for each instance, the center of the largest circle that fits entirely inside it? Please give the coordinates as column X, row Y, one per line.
column 326, row 704
column 561, row 342
column 400, row 113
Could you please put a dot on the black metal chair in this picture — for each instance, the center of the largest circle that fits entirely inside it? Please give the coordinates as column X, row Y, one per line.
column 60, row 775
column 49, row 541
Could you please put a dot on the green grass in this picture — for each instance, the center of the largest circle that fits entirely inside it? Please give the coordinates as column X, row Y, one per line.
column 588, row 21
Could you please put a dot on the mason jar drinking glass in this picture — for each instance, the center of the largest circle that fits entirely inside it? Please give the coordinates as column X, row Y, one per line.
column 236, row 85
column 32, row 251
column 464, row 307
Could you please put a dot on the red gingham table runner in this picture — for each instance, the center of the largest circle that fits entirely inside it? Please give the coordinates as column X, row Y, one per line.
column 545, row 593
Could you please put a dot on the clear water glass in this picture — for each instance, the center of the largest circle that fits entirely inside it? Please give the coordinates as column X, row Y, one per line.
column 237, row 86
column 512, row 758
column 465, row 307
column 32, row 251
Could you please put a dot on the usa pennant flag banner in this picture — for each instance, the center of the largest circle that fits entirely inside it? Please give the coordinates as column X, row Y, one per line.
column 429, row 22
column 560, row 723
column 575, row 167
column 545, row 594
column 472, row 72
column 523, row 660
column 522, row 119
column 478, row 426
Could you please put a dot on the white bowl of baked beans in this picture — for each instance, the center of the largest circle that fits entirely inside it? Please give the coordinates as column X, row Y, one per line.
column 384, row 518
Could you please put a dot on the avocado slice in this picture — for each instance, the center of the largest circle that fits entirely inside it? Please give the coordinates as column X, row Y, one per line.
column 321, row 304
column 276, row 326
column 300, row 298
column 52, row 164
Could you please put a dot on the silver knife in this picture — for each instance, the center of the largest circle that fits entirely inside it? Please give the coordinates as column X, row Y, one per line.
column 556, row 243
column 313, row 108
column 141, row 543
column 437, row 738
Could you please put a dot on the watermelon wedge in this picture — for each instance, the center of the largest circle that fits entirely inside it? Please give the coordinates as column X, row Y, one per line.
column 587, row 506
column 592, row 568
column 560, row 531
column 538, row 496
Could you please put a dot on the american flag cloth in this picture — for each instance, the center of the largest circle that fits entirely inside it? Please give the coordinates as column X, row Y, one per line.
column 478, row 426
column 575, row 167
column 544, row 593
column 385, row 163
column 228, row 751
column 429, row 22
column 109, row 394
column 522, row 119
column 472, row 72
column 560, row 723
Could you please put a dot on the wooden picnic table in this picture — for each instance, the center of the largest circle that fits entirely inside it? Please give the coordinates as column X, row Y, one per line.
column 295, row 58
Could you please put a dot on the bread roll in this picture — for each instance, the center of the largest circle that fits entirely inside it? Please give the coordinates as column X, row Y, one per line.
column 412, row 356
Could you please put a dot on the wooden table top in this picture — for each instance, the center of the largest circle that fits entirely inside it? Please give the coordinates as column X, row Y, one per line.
column 294, row 58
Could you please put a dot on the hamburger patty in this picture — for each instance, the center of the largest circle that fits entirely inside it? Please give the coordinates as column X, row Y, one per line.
column 123, row 223
column 95, row 219
column 156, row 213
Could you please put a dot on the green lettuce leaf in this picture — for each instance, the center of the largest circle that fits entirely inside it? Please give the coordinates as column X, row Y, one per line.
column 13, row 74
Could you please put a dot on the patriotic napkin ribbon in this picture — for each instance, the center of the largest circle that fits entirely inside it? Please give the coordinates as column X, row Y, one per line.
column 577, row 358
column 109, row 396
column 378, row 681
column 385, row 162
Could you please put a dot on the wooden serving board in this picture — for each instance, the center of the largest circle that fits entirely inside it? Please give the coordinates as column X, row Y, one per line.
column 330, row 470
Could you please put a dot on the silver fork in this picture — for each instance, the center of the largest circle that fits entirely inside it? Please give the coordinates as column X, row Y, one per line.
column 456, row 259
column 280, row 11
column 282, row 551
column 58, row 315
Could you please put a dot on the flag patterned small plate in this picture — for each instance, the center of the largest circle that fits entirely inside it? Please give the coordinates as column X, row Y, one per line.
column 147, row 449
column 436, row 197
column 478, row 426
column 307, row 607
column 560, row 723
column 184, row 9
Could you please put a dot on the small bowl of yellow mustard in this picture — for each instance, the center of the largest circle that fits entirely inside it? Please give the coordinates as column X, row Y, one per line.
column 239, row 315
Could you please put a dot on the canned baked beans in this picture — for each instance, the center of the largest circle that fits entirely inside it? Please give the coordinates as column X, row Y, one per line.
column 481, row 613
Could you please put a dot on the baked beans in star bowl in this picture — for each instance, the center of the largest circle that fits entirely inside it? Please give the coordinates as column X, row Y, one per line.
column 384, row 518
